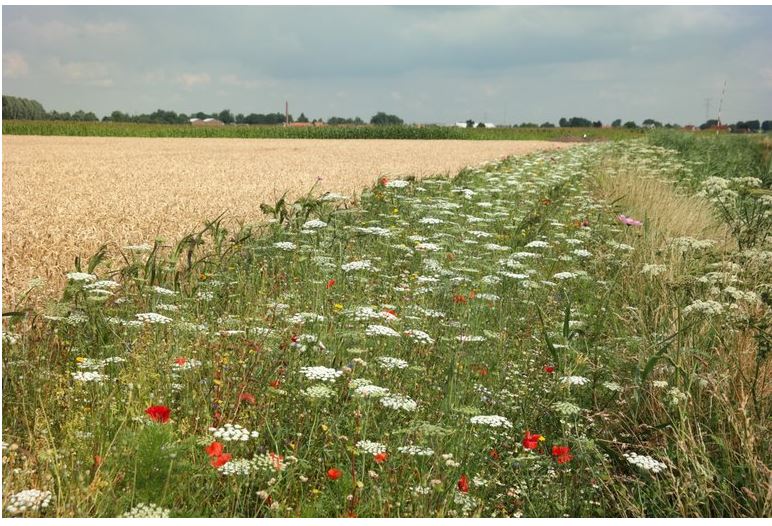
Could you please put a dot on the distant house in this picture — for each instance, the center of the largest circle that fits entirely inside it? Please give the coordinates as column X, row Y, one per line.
column 475, row 125
column 207, row 122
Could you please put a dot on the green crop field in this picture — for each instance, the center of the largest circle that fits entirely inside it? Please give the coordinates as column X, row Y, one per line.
column 106, row 129
column 583, row 332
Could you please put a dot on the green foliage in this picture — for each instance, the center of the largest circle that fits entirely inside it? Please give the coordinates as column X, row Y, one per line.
column 384, row 119
column 125, row 129
column 633, row 373
column 18, row 108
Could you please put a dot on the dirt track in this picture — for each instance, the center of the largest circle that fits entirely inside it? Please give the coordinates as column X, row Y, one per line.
column 64, row 196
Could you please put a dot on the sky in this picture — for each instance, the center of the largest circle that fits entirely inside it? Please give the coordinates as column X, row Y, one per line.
column 502, row 64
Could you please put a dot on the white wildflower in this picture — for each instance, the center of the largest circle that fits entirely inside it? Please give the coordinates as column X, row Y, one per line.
column 233, row 433
column 325, row 374
column 146, row 511
column 645, row 462
column 491, row 421
column 381, row 330
column 28, row 500
column 396, row 401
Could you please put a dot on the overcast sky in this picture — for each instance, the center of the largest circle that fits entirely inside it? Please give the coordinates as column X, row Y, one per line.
column 425, row 64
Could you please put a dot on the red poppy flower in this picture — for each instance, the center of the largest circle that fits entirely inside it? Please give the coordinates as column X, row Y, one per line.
column 458, row 298
column 275, row 383
column 380, row 458
column 330, row 283
column 549, row 369
column 562, row 454
column 472, row 295
column 181, row 361
column 392, row 312
column 158, row 413
column 531, row 441
column 383, row 181
column 493, row 454
column 334, row 473
column 248, row 397
column 214, row 449
column 483, row 371
column 97, row 460
column 221, row 460
column 463, row 484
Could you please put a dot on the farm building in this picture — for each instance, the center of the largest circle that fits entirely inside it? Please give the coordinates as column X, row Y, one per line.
column 475, row 125
column 207, row 122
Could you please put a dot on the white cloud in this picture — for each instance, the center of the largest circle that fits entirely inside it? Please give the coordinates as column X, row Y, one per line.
column 83, row 73
column 236, row 81
column 189, row 80
column 14, row 65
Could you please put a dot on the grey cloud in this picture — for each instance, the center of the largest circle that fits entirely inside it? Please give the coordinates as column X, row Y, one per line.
column 445, row 63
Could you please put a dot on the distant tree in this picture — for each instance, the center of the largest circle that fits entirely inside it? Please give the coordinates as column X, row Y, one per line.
column 481, row 125
column 617, row 123
column 383, row 119
column 579, row 122
column 597, row 124
column 470, row 123
column 240, row 118
column 766, row 126
column 529, row 125
column 630, row 125
column 546, row 125
column 201, row 115
column 341, row 120
column 302, row 118
column 226, row 116
column 708, row 124
column 563, row 122
column 19, row 108
column 651, row 123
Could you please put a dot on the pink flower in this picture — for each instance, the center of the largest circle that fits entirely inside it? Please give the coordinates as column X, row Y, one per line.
column 629, row 221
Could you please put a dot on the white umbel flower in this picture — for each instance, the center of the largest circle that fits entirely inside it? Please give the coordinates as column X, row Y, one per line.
column 314, row 224
column 153, row 318
column 419, row 336
column 81, row 277
column 357, row 265
column 381, row 330
column 374, row 448
column 645, row 462
column 387, row 362
column 575, row 380
column 416, row 451
column 396, row 401
column 491, row 421
column 233, row 433
column 708, row 308
column 27, row 501
column 146, row 511
column 325, row 374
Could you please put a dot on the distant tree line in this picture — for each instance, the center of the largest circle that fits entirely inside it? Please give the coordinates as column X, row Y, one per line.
column 28, row 109
column 32, row 110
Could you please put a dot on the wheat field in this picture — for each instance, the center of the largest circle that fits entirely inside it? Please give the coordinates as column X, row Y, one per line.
column 65, row 196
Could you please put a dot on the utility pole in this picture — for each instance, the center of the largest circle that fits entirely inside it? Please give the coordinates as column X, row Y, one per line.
column 286, row 113
column 720, row 105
